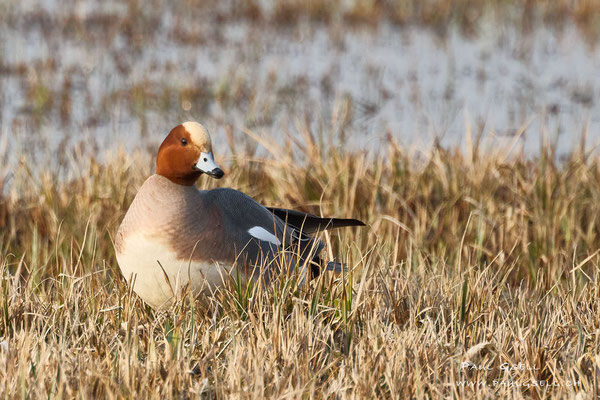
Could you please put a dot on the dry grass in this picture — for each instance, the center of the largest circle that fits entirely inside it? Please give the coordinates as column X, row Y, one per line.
column 465, row 259
column 139, row 19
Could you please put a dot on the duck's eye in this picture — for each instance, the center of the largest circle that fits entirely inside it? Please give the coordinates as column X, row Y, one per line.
column 184, row 142
column 205, row 159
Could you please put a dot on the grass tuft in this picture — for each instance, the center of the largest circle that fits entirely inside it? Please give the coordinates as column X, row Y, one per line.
column 472, row 258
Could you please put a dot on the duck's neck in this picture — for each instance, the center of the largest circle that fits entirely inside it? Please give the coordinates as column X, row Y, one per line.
column 183, row 180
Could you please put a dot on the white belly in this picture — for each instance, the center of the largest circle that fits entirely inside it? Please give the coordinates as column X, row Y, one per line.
column 157, row 275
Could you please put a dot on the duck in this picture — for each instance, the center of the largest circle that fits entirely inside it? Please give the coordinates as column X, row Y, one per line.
column 175, row 236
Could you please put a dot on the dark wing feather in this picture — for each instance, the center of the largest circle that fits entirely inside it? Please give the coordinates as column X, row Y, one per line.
column 238, row 213
column 310, row 223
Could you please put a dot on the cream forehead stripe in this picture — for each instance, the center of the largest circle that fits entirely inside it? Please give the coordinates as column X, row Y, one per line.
column 198, row 133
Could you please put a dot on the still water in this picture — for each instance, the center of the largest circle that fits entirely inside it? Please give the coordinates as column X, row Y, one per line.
column 88, row 73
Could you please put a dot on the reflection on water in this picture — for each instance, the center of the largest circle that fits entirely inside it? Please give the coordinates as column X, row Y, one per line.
column 105, row 71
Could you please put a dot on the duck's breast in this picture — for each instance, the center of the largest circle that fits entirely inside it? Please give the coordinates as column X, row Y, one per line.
column 158, row 247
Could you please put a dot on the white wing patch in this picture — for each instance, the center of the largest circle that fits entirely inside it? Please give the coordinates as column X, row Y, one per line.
column 261, row 233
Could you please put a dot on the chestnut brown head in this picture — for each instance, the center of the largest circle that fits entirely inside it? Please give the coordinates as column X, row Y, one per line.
column 185, row 154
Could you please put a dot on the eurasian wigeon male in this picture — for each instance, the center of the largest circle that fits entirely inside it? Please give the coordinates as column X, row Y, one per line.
column 174, row 234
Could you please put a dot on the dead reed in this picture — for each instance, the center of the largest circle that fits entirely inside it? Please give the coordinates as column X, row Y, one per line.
column 478, row 259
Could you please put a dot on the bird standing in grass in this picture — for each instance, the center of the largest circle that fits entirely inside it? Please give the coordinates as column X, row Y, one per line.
column 175, row 235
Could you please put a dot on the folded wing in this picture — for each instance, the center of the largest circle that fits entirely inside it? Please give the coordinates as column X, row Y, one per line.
column 309, row 223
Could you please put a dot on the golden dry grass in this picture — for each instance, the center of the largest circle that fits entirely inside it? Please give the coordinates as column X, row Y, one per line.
column 478, row 259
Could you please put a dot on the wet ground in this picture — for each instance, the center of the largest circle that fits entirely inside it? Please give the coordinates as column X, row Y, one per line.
column 114, row 73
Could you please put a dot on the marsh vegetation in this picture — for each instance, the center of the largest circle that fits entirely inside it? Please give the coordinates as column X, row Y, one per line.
column 473, row 252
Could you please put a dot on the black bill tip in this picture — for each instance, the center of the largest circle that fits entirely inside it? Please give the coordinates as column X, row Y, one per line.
column 216, row 173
